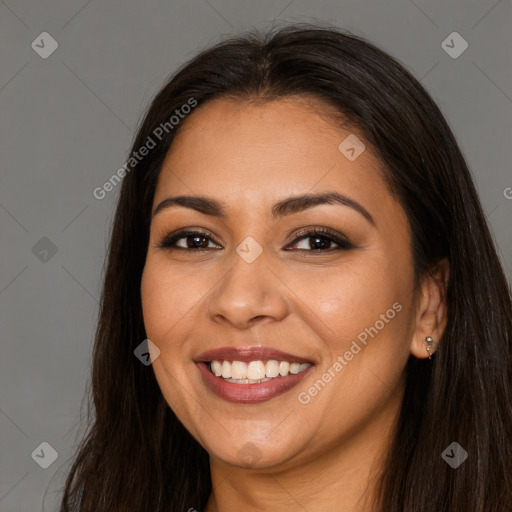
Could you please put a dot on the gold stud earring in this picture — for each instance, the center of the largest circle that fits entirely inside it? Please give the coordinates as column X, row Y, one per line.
column 430, row 342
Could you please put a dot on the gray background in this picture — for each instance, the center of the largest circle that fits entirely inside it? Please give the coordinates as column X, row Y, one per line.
column 67, row 122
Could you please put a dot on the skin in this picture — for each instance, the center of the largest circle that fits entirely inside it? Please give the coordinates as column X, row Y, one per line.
column 325, row 454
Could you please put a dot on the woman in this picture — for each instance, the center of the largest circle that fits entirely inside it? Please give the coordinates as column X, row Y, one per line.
column 300, row 252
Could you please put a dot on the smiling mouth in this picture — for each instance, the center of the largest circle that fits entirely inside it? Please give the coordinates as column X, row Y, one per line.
column 254, row 372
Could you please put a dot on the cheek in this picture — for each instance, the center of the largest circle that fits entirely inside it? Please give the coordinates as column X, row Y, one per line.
column 157, row 312
column 364, row 320
column 355, row 296
column 167, row 303
column 365, row 313
column 168, row 297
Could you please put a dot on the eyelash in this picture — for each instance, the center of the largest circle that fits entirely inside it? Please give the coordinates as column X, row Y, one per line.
column 325, row 233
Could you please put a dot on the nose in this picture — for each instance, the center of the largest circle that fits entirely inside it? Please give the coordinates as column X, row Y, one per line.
column 248, row 294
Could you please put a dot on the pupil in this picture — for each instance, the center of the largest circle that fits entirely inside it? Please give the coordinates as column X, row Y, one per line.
column 198, row 240
column 323, row 243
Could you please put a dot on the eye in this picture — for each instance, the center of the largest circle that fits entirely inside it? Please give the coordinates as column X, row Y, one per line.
column 197, row 240
column 320, row 241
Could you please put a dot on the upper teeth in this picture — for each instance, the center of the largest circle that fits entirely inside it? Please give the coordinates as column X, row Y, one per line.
column 255, row 370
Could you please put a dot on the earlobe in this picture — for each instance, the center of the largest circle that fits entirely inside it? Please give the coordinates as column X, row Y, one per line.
column 423, row 348
column 432, row 312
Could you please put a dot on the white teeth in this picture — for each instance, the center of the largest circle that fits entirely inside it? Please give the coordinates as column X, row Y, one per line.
column 247, row 381
column 226, row 370
column 238, row 370
column 216, row 368
column 294, row 368
column 284, row 367
column 255, row 371
column 272, row 368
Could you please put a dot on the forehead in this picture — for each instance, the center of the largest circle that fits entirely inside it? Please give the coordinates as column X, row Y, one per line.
column 287, row 129
column 244, row 152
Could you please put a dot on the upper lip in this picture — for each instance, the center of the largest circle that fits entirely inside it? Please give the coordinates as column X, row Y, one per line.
column 248, row 354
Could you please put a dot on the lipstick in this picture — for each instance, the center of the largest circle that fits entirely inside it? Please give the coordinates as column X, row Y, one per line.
column 250, row 393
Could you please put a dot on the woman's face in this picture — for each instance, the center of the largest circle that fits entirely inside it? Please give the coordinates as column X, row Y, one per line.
column 342, row 300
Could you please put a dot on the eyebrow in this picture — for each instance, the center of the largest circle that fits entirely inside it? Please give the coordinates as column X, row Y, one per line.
column 288, row 206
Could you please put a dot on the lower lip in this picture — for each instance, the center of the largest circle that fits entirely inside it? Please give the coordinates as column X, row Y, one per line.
column 250, row 393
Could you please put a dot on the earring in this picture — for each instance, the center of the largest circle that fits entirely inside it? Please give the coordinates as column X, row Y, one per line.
column 429, row 341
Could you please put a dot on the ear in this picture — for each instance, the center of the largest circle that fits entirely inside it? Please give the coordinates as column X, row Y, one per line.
column 431, row 310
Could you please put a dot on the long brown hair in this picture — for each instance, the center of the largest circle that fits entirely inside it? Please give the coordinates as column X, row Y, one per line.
column 137, row 456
